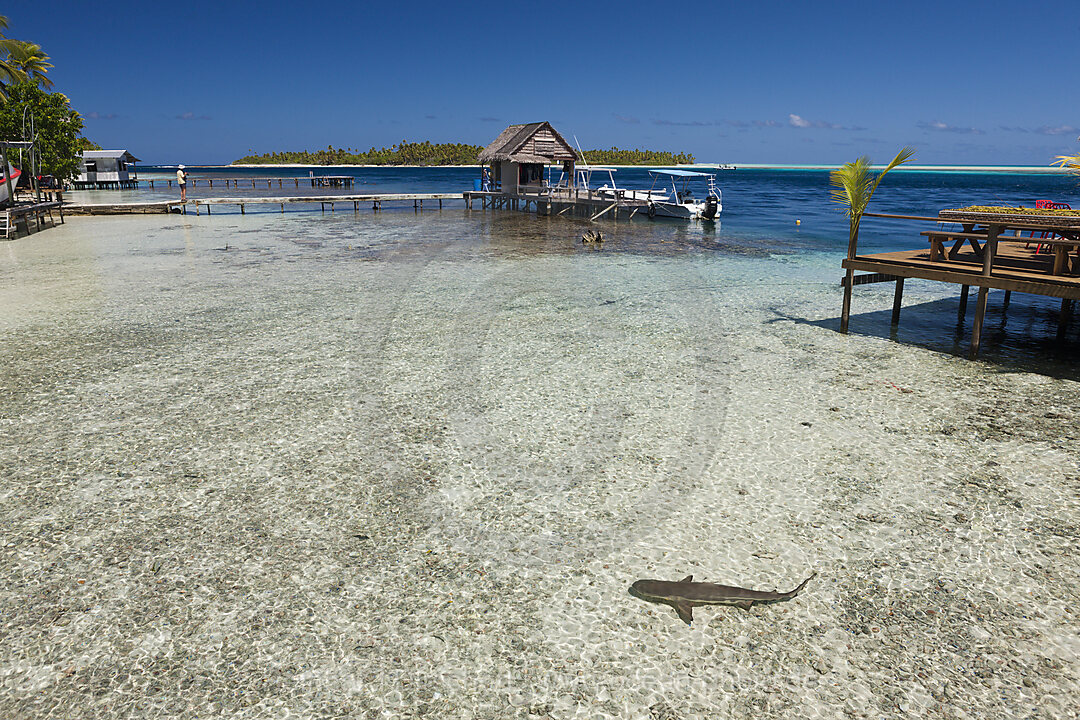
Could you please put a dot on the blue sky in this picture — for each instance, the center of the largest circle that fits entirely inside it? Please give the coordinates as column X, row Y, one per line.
column 766, row 82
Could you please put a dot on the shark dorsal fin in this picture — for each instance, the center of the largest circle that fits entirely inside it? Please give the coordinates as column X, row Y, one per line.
column 688, row 578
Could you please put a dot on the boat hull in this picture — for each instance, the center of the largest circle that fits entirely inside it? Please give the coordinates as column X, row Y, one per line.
column 5, row 187
column 682, row 211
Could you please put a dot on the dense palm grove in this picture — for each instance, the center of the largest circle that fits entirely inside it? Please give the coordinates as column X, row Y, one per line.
column 426, row 153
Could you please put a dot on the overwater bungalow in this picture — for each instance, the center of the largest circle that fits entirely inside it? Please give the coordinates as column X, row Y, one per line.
column 519, row 156
column 107, row 170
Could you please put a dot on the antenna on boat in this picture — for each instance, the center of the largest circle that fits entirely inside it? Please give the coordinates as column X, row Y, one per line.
column 581, row 152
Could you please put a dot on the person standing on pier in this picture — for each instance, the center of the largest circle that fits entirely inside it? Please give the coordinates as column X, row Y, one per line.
column 181, row 179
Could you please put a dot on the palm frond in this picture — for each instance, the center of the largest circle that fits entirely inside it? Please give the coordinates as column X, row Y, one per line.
column 853, row 186
column 905, row 154
column 850, row 185
column 30, row 60
column 1069, row 162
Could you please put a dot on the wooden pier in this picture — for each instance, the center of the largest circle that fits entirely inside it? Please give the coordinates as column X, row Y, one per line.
column 324, row 201
column 559, row 201
column 129, row 208
column 316, row 181
column 990, row 253
column 376, row 200
column 130, row 184
column 574, row 203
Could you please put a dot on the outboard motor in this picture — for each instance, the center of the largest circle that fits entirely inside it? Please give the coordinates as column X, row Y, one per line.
column 711, row 206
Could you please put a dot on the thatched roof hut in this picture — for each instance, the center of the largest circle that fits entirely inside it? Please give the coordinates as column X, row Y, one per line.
column 530, row 143
column 520, row 153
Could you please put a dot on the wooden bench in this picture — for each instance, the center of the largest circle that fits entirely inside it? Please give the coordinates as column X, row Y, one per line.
column 1061, row 248
column 12, row 217
column 938, row 238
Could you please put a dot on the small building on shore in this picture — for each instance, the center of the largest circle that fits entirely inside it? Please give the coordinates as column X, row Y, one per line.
column 107, row 170
column 520, row 154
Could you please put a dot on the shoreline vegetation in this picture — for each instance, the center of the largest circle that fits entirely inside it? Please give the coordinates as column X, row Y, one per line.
column 445, row 154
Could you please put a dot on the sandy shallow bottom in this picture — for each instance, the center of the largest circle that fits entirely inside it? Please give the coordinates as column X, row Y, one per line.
column 408, row 467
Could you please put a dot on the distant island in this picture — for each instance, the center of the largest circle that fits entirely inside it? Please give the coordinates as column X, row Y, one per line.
column 426, row 153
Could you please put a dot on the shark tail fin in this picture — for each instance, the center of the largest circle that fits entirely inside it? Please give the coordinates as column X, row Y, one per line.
column 798, row 590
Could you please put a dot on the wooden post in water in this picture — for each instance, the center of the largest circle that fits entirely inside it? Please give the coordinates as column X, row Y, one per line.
column 963, row 301
column 989, row 250
column 1064, row 317
column 898, row 295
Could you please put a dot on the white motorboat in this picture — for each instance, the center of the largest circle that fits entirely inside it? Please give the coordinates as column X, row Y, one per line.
column 585, row 183
column 681, row 203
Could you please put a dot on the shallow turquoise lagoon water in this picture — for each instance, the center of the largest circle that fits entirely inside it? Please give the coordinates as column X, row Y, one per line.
column 396, row 464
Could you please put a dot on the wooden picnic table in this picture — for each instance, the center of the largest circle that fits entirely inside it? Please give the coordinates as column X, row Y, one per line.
column 1064, row 232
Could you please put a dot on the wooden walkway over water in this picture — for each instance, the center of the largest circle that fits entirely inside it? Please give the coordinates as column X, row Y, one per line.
column 376, row 200
column 207, row 204
column 580, row 203
column 316, row 181
column 987, row 253
column 559, row 201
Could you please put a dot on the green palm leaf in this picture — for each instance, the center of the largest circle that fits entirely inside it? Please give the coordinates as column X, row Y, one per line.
column 30, row 61
column 1069, row 162
column 853, row 185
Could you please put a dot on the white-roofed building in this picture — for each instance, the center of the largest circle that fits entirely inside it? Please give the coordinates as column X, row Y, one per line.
column 107, row 170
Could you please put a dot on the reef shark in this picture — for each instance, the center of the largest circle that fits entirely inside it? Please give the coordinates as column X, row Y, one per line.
column 686, row 595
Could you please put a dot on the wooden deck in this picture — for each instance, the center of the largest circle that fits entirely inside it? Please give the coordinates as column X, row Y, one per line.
column 1016, row 268
column 987, row 253
column 558, row 201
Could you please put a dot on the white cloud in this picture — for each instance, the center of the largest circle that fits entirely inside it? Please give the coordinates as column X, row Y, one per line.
column 939, row 126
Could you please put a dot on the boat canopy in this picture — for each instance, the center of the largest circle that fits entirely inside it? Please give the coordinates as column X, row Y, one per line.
column 681, row 173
